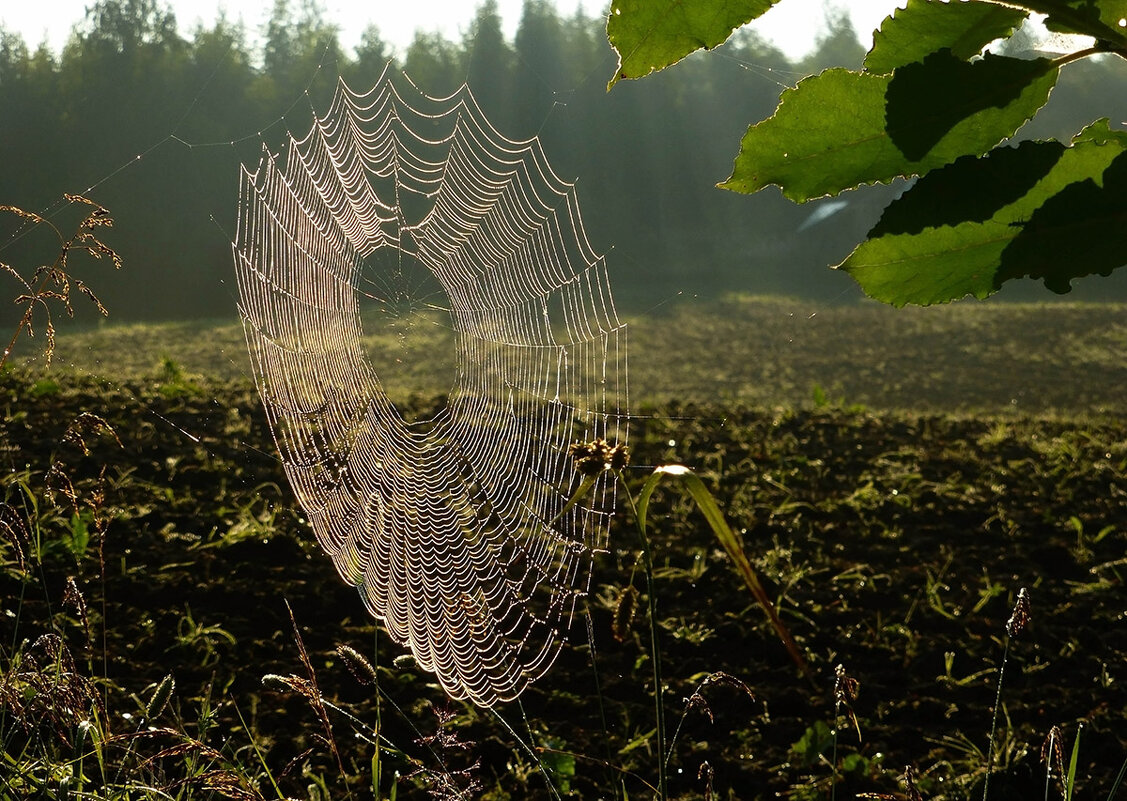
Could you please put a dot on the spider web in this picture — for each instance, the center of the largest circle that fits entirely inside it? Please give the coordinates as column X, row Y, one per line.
column 453, row 528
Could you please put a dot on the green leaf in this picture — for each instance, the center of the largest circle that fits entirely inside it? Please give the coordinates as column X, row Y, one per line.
column 912, row 260
column 928, row 99
column 649, row 35
column 815, row 741
column 925, row 26
column 936, row 266
column 1081, row 230
column 829, row 134
column 970, row 189
column 79, row 539
column 1098, row 18
column 560, row 766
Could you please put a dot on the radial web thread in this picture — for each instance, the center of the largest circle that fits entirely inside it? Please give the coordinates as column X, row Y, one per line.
column 449, row 527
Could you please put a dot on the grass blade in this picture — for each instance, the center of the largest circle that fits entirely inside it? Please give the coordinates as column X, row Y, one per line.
column 1070, row 782
column 728, row 538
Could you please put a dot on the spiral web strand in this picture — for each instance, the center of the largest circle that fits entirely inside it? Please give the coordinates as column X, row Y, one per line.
column 449, row 527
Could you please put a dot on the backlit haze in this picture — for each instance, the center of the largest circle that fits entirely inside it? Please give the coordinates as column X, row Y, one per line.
column 792, row 25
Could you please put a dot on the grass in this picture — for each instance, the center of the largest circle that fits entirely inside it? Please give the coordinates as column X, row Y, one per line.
column 172, row 632
column 885, row 542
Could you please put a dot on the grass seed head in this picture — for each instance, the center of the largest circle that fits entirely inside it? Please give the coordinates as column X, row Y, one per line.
column 291, row 683
column 59, row 483
column 45, row 688
column 845, row 693
column 1052, row 752
column 14, row 529
column 592, row 458
column 73, row 598
column 86, row 424
column 910, row 784
column 360, row 668
column 160, row 697
column 1021, row 616
column 624, row 612
column 845, row 686
column 704, row 774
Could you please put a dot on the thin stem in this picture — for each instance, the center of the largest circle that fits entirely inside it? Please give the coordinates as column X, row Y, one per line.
column 994, row 722
column 833, row 766
column 655, row 654
column 599, row 691
column 379, row 720
column 25, row 319
column 1097, row 50
column 1049, row 763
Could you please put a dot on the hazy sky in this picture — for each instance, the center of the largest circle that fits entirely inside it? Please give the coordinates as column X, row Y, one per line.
column 792, row 24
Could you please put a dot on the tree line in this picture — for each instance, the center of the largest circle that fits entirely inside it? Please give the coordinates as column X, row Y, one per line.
column 157, row 121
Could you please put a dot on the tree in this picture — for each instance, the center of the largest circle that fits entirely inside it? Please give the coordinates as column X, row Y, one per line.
column 121, row 88
column 432, row 63
column 836, row 45
column 277, row 51
column 220, row 61
column 294, row 49
column 372, row 57
column 124, row 27
column 931, row 100
column 488, row 63
column 539, row 65
column 78, row 120
column 29, row 137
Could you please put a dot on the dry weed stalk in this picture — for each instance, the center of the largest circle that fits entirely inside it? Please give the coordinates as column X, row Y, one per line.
column 913, row 793
column 845, row 693
column 14, row 529
column 308, row 689
column 447, row 784
column 54, row 282
column 44, row 692
column 1016, row 625
column 705, row 774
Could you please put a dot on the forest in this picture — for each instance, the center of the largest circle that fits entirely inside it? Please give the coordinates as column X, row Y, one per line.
column 155, row 122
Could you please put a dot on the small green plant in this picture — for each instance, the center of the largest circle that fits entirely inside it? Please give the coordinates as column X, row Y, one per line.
column 205, row 640
column 173, row 381
column 1083, row 551
column 45, row 388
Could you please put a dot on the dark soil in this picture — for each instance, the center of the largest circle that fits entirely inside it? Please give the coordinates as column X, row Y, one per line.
column 895, row 546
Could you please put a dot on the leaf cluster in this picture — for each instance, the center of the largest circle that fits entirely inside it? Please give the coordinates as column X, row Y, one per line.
column 937, row 101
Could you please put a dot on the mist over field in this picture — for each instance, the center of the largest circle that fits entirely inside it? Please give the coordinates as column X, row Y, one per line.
column 155, row 121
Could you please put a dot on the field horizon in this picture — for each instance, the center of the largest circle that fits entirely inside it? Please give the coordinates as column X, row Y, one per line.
column 1059, row 358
